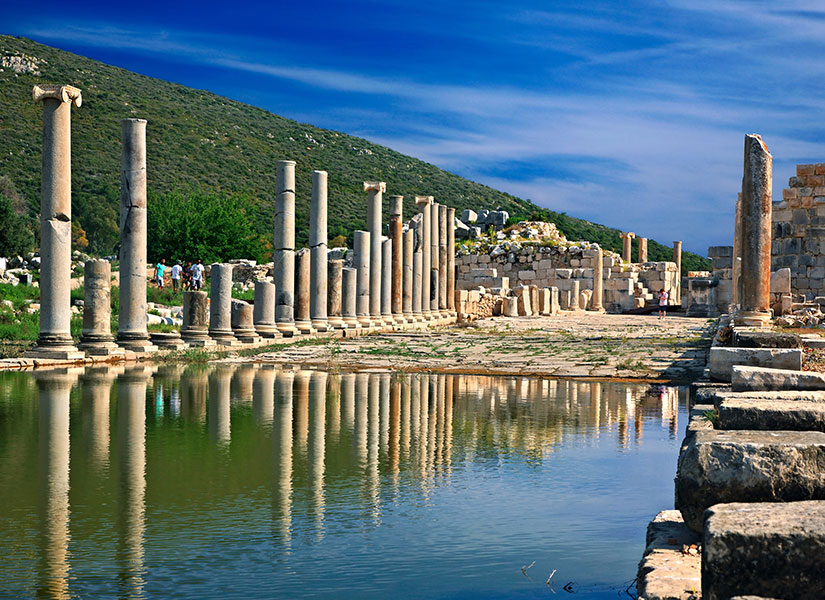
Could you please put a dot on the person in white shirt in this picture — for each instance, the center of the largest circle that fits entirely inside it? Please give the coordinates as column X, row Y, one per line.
column 197, row 275
column 176, row 270
column 663, row 295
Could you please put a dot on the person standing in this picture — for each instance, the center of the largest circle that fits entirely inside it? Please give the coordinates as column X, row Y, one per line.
column 197, row 275
column 176, row 270
column 187, row 276
column 663, row 296
column 160, row 268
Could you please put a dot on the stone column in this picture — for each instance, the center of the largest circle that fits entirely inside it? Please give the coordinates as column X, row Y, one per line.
column 263, row 312
column 195, row 319
column 349, row 279
column 375, row 189
column 386, row 282
column 220, row 304
column 756, row 234
column 642, row 250
column 451, row 260
column 442, row 260
column 407, row 275
column 424, row 203
column 434, row 260
column 627, row 244
column 303, row 269
column 396, row 235
column 737, row 253
column 677, row 258
column 318, row 252
column 361, row 262
column 132, row 333
column 283, row 253
column 417, row 226
column 597, row 301
column 97, row 338
column 334, row 287
column 55, row 339
column 242, row 319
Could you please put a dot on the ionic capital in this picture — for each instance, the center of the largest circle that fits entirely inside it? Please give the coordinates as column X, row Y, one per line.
column 64, row 93
column 375, row 186
column 628, row 234
column 423, row 200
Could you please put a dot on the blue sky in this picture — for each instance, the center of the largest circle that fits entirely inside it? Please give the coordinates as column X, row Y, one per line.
column 631, row 114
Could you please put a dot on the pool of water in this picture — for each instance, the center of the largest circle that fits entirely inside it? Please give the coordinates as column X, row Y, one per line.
column 259, row 481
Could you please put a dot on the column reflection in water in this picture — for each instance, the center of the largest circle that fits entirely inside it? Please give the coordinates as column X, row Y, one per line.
column 54, row 388
column 394, row 432
column 218, row 405
column 194, row 383
column 334, row 407
column 432, row 420
column 131, row 448
column 282, row 456
column 242, row 383
column 373, row 479
column 596, row 406
column 301, row 409
column 263, row 395
column 348, row 400
column 317, row 447
column 384, row 410
column 360, row 425
column 449, row 384
column 95, row 393
column 406, row 393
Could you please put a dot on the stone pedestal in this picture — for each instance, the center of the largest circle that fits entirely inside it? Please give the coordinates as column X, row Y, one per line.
column 283, row 253
column 243, row 326
column 97, row 338
column 386, row 282
column 434, row 261
column 334, row 294
column 627, row 245
column 318, row 252
column 451, row 260
column 263, row 312
column 396, row 236
column 756, row 234
column 375, row 190
column 442, row 261
column 642, row 250
column 349, row 281
column 361, row 262
column 220, row 305
column 303, row 270
column 55, row 339
column 194, row 330
column 424, row 204
column 407, row 276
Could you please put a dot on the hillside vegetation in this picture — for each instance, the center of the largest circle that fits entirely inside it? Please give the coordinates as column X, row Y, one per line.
column 198, row 141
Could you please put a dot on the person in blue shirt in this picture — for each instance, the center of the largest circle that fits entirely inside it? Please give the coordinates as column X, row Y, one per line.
column 159, row 269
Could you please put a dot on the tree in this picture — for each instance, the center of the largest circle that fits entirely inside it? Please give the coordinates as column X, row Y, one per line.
column 15, row 233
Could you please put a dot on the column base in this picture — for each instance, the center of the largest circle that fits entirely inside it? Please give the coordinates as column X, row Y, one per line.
column 248, row 339
column 337, row 323
column 55, row 353
column 351, row 324
column 752, row 318
column 304, row 327
column 101, row 349
column 321, row 326
column 200, row 342
column 286, row 329
column 364, row 321
column 135, row 341
column 168, row 341
column 267, row 331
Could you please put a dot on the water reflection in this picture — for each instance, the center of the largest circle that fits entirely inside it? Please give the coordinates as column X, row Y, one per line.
column 330, row 452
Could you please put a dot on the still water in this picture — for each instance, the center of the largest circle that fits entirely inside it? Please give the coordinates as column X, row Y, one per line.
column 269, row 482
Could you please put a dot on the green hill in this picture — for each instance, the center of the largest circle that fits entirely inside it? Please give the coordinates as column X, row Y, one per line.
column 197, row 139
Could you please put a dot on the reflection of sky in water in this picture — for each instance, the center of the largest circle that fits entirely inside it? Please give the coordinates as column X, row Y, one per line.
column 242, row 480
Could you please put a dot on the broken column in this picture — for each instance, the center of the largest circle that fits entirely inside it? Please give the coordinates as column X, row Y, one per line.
column 303, row 321
column 407, row 275
column 334, row 294
column 132, row 333
column 737, row 253
column 374, row 190
column 451, row 260
column 283, row 254
column 442, row 261
column 756, row 234
column 263, row 313
column 627, row 245
column 361, row 262
column 386, row 281
column 220, row 304
column 194, row 330
column 318, row 251
column 97, row 338
column 396, row 235
column 642, row 250
column 434, row 260
column 242, row 320
column 677, row 258
column 424, row 203
column 349, row 286
column 55, row 339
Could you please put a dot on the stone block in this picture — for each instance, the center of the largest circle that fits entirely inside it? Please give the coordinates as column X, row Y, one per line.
column 665, row 572
column 748, row 466
column 781, row 281
column 721, row 359
column 526, row 275
column 718, row 251
column 768, row 549
column 744, row 378
column 771, row 415
column 564, row 273
column 803, row 170
column 746, row 338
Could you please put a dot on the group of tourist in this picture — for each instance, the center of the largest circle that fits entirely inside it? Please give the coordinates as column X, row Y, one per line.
column 189, row 277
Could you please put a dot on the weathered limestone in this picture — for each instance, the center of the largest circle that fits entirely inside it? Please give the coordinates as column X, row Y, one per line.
column 335, row 276
column 435, row 286
column 55, row 339
column 722, row 359
column 753, row 466
column 768, row 549
column 396, row 235
column 132, row 333
column 771, row 415
column 451, row 260
column 417, row 226
column 744, row 378
column 509, row 306
column 665, row 569
column 597, row 299
column 283, row 253
column 242, row 319
column 194, row 330
column 386, row 282
column 263, row 313
column 361, row 262
column 756, row 234
column 220, row 304
column 736, row 266
column 424, row 204
column 627, row 245
column 374, row 190
column 435, row 314
column 407, row 275
column 677, row 258
column 303, row 270
column 442, row 261
column 318, row 252
column 642, row 250
column 97, row 338
column 349, row 279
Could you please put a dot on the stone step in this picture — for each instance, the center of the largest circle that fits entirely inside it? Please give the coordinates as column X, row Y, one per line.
column 772, row 415
column 774, row 550
column 665, row 571
column 745, row 378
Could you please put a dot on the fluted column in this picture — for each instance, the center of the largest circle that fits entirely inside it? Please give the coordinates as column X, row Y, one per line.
column 55, row 339
column 318, row 252
column 375, row 189
column 283, row 253
column 361, row 262
column 424, row 204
